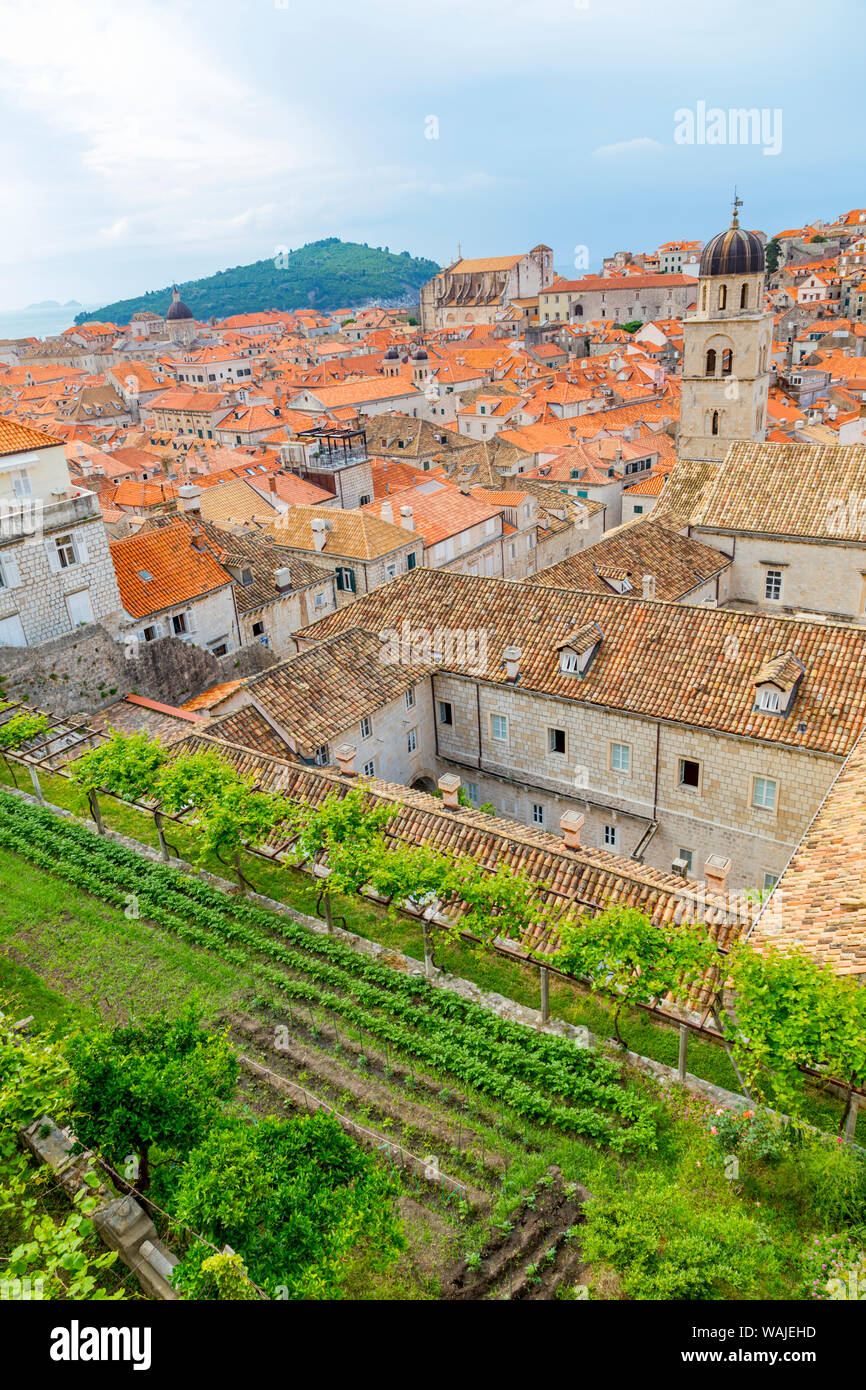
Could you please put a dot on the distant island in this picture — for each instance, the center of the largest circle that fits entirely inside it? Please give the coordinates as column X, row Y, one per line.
column 55, row 304
column 323, row 275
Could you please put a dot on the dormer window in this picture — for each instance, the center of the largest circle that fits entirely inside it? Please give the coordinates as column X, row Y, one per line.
column 777, row 683
column 578, row 650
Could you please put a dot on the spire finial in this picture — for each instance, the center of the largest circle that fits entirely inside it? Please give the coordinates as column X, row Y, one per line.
column 738, row 203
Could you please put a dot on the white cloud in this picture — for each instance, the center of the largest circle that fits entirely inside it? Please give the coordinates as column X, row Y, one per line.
column 643, row 144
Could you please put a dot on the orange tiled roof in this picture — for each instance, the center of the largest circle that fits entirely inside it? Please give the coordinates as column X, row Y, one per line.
column 178, row 571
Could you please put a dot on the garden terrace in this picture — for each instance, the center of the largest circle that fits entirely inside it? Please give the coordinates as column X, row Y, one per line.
column 586, row 877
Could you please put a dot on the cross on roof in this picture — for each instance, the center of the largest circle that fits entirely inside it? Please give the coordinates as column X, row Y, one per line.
column 738, row 203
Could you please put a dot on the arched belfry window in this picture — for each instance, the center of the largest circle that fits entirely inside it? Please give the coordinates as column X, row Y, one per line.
column 714, row 428
column 744, row 296
column 711, row 362
column 727, row 362
column 723, row 296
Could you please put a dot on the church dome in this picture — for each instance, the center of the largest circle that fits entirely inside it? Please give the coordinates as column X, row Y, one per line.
column 177, row 309
column 420, row 355
column 734, row 252
column 392, row 355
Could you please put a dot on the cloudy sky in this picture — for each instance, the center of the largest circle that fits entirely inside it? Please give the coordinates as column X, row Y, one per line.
column 172, row 138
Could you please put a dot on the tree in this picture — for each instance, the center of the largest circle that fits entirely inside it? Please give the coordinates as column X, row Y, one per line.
column 293, row 1197
column 58, row 1258
column 499, row 902
column 347, row 832
column 791, row 1012
column 126, row 764
column 621, row 952
column 772, row 252
column 225, row 808
column 159, row 1084
column 19, row 729
column 632, row 326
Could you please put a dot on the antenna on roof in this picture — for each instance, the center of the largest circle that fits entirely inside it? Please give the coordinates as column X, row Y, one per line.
column 738, row 203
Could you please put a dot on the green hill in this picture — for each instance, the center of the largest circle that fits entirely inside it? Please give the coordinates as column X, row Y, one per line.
column 324, row 275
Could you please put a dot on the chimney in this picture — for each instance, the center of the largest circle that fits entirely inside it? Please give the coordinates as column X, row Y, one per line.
column 571, row 824
column 716, row 870
column 449, row 786
column 320, row 534
column 512, row 656
column 680, row 867
column 189, row 496
column 283, row 579
column 198, row 540
column 386, row 511
column 648, row 586
column 345, row 756
column 407, row 519
column 272, row 483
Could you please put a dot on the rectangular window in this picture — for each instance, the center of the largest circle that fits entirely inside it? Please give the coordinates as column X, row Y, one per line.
column 321, row 755
column 773, row 585
column 690, row 773
column 688, row 856
column 446, row 712
column 150, row 634
column 620, row 757
column 410, row 699
column 769, row 700
column 366, row 727
column 412, row 740
column 178, row 624
column 411, row 561
column 320, row 600
column 65, row 547
column 258, row 629
column 21, row 485
column 346, row 580
column 472, row 791
column 499, row 727
column 370, row 769
column 764, row 791
column 391, row 571
column 611, row 836
column 556, row 741
column 769, row 880
column 537, row 813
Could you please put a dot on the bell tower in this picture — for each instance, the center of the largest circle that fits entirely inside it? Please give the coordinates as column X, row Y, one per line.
column 726, row 348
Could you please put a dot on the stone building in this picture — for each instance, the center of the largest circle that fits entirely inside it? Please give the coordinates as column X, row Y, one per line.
column 361, row 550
column 469, row 292
column 55, row 567
column 726, row 349
column 678, row 732
column 791, row 516
column 617, row 299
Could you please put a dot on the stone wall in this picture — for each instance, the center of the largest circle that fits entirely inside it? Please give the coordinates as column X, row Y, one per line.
column 86, row 669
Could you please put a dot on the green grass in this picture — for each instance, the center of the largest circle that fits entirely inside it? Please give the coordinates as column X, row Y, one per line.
column 68, row 961
column 491, row 972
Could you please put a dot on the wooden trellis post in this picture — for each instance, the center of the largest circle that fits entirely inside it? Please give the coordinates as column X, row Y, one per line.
column 681, row 1060
column 93, row 802
column 34, row 778
column 544, row 975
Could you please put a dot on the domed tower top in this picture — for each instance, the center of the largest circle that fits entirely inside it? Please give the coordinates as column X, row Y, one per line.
column 733, row 252
column 177, row 309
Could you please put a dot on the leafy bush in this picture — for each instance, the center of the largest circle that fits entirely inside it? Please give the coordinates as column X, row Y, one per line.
column 294, row 1197
column 668, row 1242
